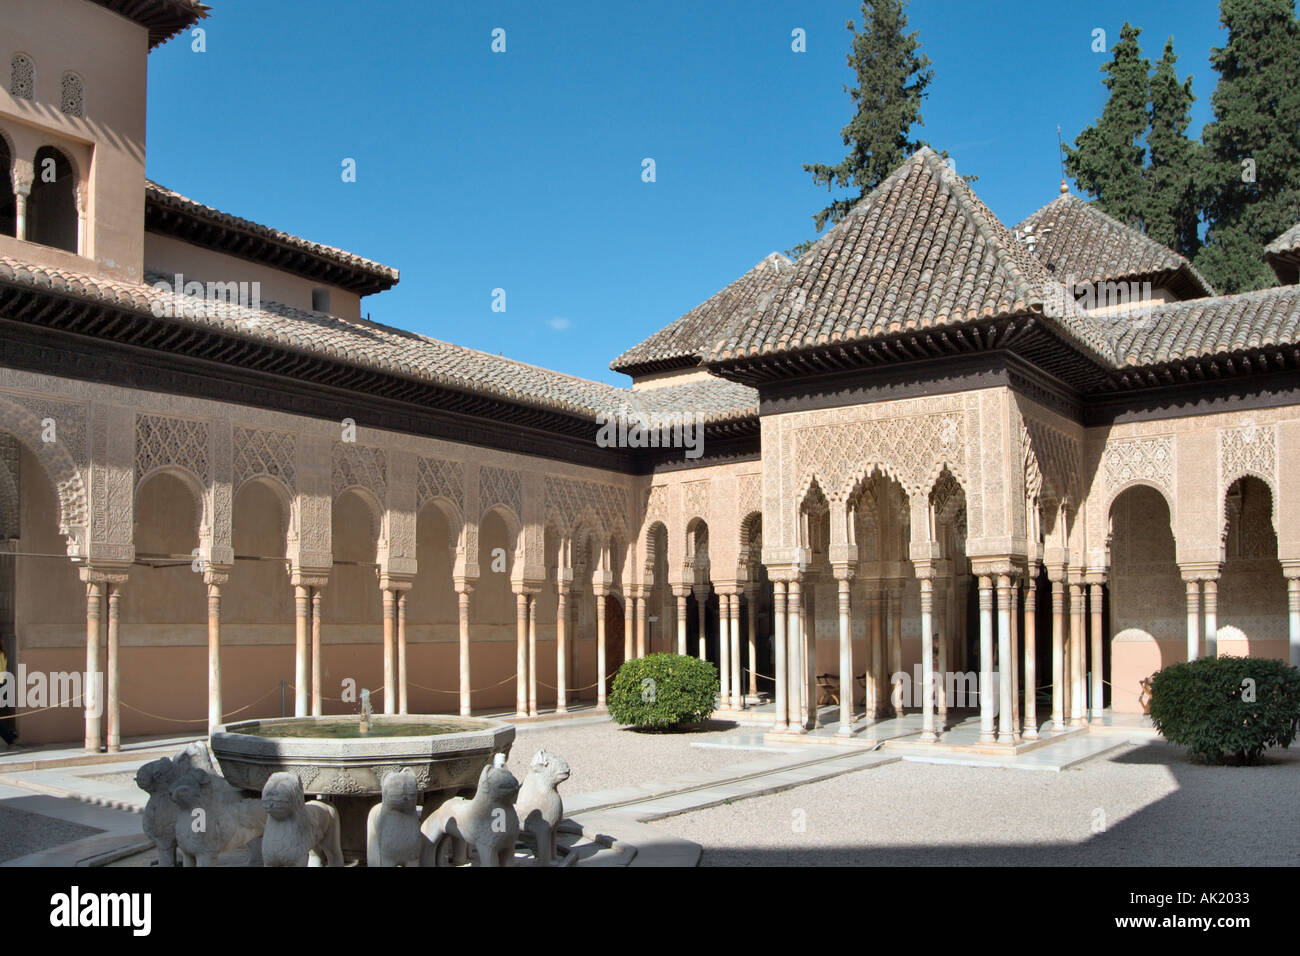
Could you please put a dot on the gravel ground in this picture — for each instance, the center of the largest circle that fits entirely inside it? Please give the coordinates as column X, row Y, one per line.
column 22, row 833
column 603, row 755
column 1149, row 804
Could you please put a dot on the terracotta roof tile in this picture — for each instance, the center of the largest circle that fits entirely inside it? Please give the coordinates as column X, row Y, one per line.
column 921, row 250
column 1288, row 242
column 384, row 348
column 168, row 198
column 692, row 336
column 1075, row 239
column 1212, row 326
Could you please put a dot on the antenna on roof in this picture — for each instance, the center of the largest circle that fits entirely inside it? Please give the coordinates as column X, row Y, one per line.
column 1060, row 155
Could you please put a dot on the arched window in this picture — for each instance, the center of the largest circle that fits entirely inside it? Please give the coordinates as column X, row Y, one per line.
column 52, row 206
column 22, row 77
column 8, row 208
column 72, row 100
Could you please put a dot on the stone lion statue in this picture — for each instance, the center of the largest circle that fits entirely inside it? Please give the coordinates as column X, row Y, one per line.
column 393, row 835
column 157, row 778
column 214, row 817
column 298, row 832
column 539, row 806
column 486, row 824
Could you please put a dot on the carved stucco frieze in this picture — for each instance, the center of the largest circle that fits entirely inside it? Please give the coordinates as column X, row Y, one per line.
column 568, row 499
column 1149, row 458
column 440, row 478
column 261, row 452
column 1248, row 450
column 500, row 486
column 162, row 441
column 360, row 466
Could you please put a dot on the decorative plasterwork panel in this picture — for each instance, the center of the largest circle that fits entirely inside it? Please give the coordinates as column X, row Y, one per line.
column 1139, row 459
column 261, row 452
column 910, row 449
column 500, row 486
column 695, row 500
column 9, row 499
column 161, row 441
column 567, row 499
column 69, row 422
column 749, row 496
column 1059, row 459
column 436, row 477
column 360, row 465
column 1250, row 450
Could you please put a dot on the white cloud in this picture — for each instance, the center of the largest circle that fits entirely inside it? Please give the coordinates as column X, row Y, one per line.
column 558, row 324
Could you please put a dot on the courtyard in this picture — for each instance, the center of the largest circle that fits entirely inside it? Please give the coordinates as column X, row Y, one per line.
column 717, row 796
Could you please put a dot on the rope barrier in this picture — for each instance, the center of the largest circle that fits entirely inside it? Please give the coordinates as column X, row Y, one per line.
column 203, row 720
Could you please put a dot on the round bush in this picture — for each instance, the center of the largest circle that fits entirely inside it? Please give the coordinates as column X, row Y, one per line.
column 1227, row 709
column 663, row 691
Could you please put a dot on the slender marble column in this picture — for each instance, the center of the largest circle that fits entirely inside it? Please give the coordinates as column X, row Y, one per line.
column 779, row 650
column 733, row 608
column 1293, row 609
column 1078, row 654
column 561, row 649
column 875, row 683
column 1031, row 657
column 214, row 653
column 532, row 655
column 895, row 594
column 751, row 629
column 316, row 663
column 796, row 667
column 629, row 616
column 114, row 701
column 681, row 622
column 462, row 620
column 812, row 713
column 844, row 584
column 724, row 648
column 941, row 638
column 701, row 623
column 1211, row 600
column 92, row 699
column 390, row 647
column 600, row 652
column 1006, row 663
column 640, row 624
column 1013, row 609
column 20, row 212
column 401, row 652
column 1193, row 620
column 1058, row 655
column 521, row 654
column 1098, row 670
column 987, row 692
column 302, row 660
column 927, row 661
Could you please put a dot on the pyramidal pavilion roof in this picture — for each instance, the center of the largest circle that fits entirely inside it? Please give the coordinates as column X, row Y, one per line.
column 920, row 252
column 1283, row 254
column 688, row 340
column 1075, row 239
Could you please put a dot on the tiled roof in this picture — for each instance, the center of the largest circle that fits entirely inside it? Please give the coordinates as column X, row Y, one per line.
column 375, row 276
column 1214, row 326
column 383, row 348
column 920, row 251
column 163, row 18
column 1075, row 239
column 690, row 338
column 1289, row 241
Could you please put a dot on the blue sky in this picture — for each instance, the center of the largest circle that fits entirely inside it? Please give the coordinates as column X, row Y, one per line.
column 522, row 170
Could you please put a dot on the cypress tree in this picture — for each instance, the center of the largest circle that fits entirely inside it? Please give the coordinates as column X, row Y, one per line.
column 892, row 76
column 1106, row 159
column 1171, row 213
column 1250, row 188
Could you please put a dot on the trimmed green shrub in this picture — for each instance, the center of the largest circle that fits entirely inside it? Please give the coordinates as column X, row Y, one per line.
column 663, row 691
column 1227, row 709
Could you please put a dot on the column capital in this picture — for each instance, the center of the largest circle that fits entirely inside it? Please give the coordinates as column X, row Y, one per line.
column 681, row 591
column 1291, row 569
column 994, row 567
column 843, row 571
column 216, row 574
column 1200, row 571
column 309, row 577
column 390, row 581
column 464, row 585
column 1096, row 577
column 104, row 574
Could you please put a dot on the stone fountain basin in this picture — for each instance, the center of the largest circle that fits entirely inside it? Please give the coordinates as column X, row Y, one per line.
column 249, row 752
